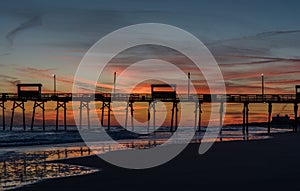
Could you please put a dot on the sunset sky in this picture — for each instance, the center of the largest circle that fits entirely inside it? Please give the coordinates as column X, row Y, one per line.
column 40, row 38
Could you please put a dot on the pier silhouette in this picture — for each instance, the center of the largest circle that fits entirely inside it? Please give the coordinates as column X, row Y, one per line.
column 84, row 99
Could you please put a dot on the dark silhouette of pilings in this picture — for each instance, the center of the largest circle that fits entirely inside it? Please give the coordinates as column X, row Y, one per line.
column 269, row 116
column 198, row 107
column 151, row 106
column 221, row 118
column 2, row 106
column 41, row 105
column 84, row 104
column 246, row 119
column 63, row 99
column 174, row 114
column 106, row 104
column 18, row 104
column 200, row 118
column 129, row 105
column 61, row 104
column 296, row 116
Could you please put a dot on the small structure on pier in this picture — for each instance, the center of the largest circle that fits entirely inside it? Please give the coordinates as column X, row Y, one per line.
column 163, row 91
column 29, row 91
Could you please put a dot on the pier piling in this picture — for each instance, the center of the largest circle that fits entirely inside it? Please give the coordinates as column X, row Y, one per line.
column 296, row 116
column 38, row 104
column 106, row 104
column 197, row 112
column 269, row 117
column 2, row 105
column 18, row 104
column 84, row 104
column 221, row 118
column 246, row 119
column 174, row 115
column 63, row 105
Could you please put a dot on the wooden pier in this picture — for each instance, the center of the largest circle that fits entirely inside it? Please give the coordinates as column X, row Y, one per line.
column 105, row 99
column 84, row 99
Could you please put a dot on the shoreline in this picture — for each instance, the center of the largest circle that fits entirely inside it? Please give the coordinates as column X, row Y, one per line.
column 45, row 138
column 271, row 163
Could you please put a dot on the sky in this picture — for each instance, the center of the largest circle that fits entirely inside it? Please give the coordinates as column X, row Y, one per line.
column 39, row 38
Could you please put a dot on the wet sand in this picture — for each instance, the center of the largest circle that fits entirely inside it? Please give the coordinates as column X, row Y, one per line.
column 272, row 164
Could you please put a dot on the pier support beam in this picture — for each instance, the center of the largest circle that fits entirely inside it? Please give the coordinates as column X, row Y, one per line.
column 149, row 117
column 246, row 119
column 195, row 117
column 102, row 114
column 84, row 104
column 197, row 128
column 18, row 104
column 151, row 106
column 106, row 104
column 129, row 105
column 221, row 118
column 176, row 116
column 61, row 104
column 296, row 117
column 174, row 112
column 200, row 117
column 172, row 119
column 269, row 117
column 131, row 112
column 2, row 106
column 108, row 117
column 154, row 117
column 38, row 104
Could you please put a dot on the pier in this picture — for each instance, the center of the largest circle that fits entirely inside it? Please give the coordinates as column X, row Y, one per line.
column 84, row 99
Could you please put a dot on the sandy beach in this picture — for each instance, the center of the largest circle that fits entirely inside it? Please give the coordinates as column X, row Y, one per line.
column 238, row 165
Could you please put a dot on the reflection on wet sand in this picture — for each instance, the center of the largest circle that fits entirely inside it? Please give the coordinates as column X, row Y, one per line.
column 18, row 170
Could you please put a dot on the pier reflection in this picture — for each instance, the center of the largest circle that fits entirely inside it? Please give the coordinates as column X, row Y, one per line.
column 17, row 170
column 20, row 169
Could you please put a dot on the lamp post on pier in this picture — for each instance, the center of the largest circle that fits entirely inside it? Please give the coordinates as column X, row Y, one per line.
column 115, row 80
column 262, row 86
column 189, row 84
column 54, row 84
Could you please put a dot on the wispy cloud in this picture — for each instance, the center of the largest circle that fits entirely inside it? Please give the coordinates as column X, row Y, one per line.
column 34, row 21
column 254, row 37
column 10, row 80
